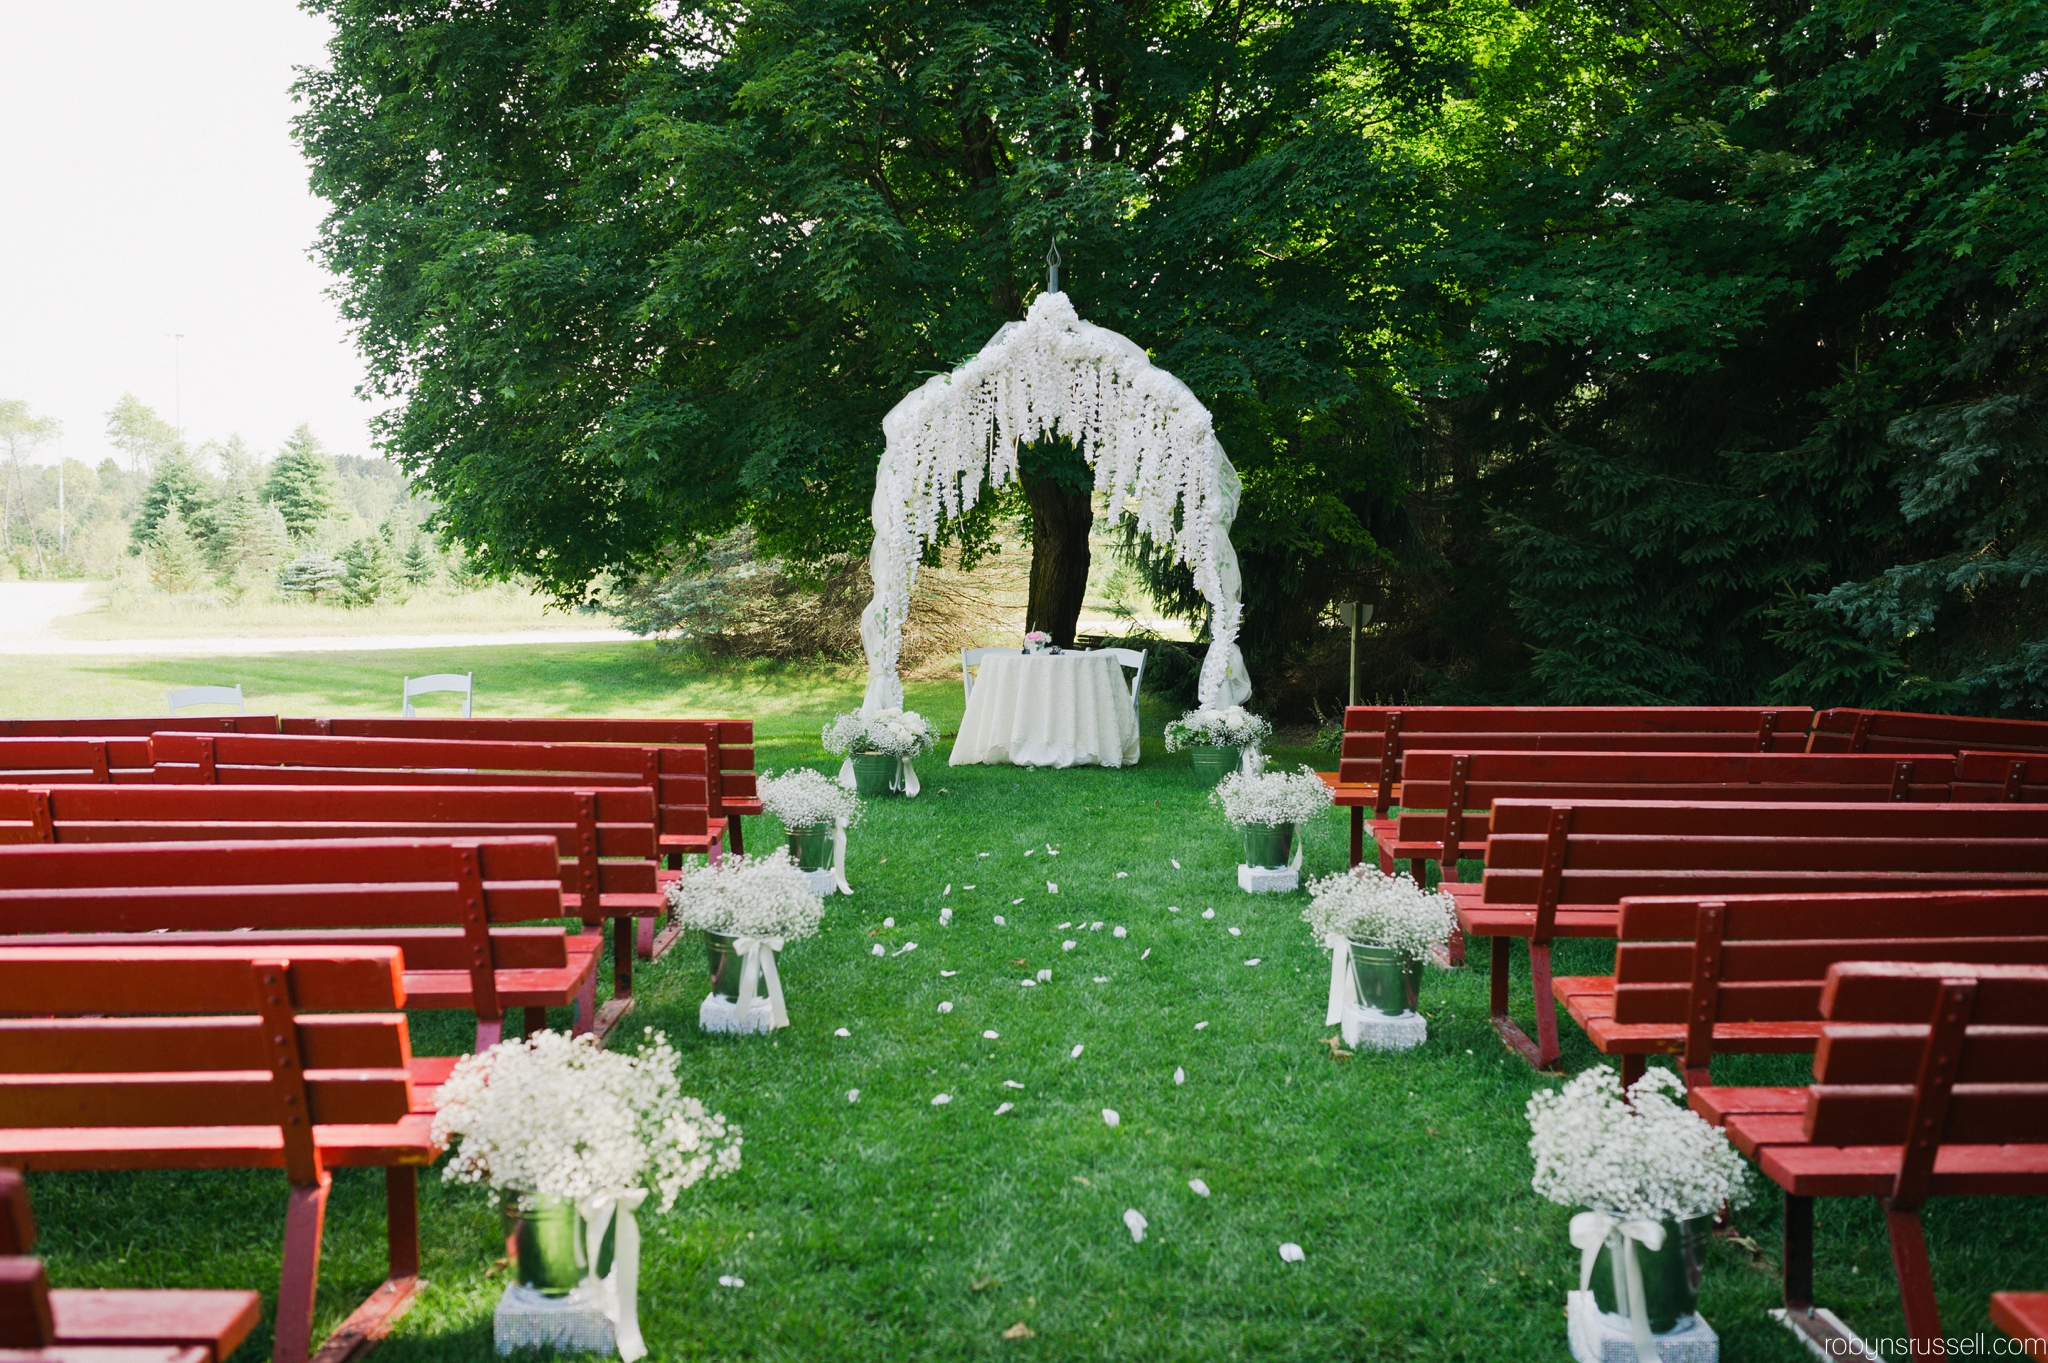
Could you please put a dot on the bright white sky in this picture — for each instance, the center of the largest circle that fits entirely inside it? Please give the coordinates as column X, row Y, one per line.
column 149, row 186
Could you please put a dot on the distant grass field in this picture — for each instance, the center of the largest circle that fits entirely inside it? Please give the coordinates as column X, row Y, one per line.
column 891, row 1228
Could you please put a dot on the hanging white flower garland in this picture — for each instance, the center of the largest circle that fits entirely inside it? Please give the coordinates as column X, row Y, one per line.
column 1150, row 441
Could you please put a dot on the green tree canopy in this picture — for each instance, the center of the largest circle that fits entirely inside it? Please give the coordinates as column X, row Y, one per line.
column 178, row 484
column 137, row 431
column 301, row 484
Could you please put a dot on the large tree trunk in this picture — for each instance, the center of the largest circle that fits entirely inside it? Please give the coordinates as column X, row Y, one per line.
column 1060, row 522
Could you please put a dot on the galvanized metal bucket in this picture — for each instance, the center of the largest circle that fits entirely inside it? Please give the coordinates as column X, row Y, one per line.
column 725, row 962
column 811, row 847
column 874, row 774
column 1388, row 980
column 1268, row 846
column 1671, row 1275
column 1213, row 764
column 545, row 1242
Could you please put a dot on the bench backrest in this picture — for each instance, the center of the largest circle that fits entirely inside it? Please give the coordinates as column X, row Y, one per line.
column 606, row 837
column 676, row 774
column 180, row 1037
column 1592, row 853
column 731, row 741
column 386, row 889
column 1446, row 794
column 1844, row 730
column 69, row 760
column 1919, row 1055
column 2002, row 777
column 1376, row 737
column 134, row 726
column 1692, row 962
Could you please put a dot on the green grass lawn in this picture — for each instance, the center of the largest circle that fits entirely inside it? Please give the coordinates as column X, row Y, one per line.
column 891, row 1228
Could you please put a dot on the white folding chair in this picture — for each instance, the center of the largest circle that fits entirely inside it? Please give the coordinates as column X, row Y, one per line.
column 206, row 695
column 1132, row 658
column 971, row 657
column 440, row 681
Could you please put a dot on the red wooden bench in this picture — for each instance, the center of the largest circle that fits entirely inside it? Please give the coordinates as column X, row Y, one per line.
column 727, row 776
column 1928, row 1082
column 2024, row 1316
column 71, row 760
column 1899, row 731
column 675, row 774
column 2001, row 778
column 1447, row 796
column 267, row 1057
column 1744, row 974
column 208, row 1325
column 1556, row 870
column 1378, row 737
column 449, row 903
column 606, row 837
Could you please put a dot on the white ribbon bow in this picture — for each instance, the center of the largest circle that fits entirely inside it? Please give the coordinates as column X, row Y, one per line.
column 1294, row 862
column 839, row 857
column 1590, row 1231
column 846, row 780
column 619, row 1290
column 906, row 776
column 757, row 963
column 1343, row 980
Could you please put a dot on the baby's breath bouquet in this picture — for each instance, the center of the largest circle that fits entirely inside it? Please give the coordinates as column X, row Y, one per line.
column 1235, row 727
column 1271, row 798
column 759, row 896
column 1368, row 906
column 555, row 1116
column 803, row 798
column 899, row 733
column 1643, row 1154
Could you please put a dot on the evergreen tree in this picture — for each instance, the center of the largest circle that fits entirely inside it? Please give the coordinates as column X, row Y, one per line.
column 178, row 483
column 302, row 484
column 175, row 561
column 313, row 575
column 418, row 566
column 373, row 570
column 249, row 537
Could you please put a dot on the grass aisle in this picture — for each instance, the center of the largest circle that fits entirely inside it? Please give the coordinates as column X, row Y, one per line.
column 892, row 1228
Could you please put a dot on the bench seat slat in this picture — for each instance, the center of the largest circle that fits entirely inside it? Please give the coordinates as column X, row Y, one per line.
column 215, row 1321
column 407, row 1141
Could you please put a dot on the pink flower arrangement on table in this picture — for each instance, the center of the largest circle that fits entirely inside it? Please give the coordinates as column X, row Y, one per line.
column 1036, row 640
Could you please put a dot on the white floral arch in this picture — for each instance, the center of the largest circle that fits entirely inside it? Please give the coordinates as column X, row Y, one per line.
column 1150, row 441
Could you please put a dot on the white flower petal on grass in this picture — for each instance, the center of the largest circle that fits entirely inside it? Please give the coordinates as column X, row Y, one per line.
column 1095, row 926
column 853, row 1095
column 947, row 974
column 842, row 1032
column 888, row 922
column 1208, row 913
column 1254, row 960
column 1031, row 851
column 1102, row 979
column 907, row 946
column 1119, row 931
column 1200, row 1188
column 1052, row 887
column 966, row 887
column 1200, row 1025
column 1123, row 875
column 1011, row 1084
column 1069, row 944
column 1176, row 864
column 942, row 1099
column 1173, row 908
column 879, row 950
column 1110, row 1117
column 1290, row 1253
column 999, row 921
column 945, row 918
column 948, row 890
column 990, row 1035
column 946, row 1006
column 1018, row 900
column 1143, row 954
column 1180, row 1076
column 1045, row 977
column 728, row 1280
column 1051, row 850
column 1029, row 984
column 1234, row 932
column 1001, row 1108
column 980, row 854
column 1064, row 926
column 1135, row 1219
column 1075, row 1054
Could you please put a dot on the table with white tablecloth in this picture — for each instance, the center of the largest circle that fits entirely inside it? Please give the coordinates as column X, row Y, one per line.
column 1049, row 710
